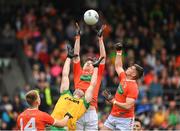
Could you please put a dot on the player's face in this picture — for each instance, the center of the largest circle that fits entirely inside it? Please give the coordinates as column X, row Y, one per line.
column 137, row 126
column 131, row 71
column 78, row 93
column 88, row 67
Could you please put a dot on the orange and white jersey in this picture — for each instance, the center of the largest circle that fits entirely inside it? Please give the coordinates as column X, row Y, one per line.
column 34, row 120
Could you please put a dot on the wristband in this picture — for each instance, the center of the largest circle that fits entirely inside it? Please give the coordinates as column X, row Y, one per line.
column 114, row 102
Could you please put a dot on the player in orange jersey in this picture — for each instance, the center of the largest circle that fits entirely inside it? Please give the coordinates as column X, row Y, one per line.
column 77, row 103
column 122, row 113
column 82, row 78
column 34, row 119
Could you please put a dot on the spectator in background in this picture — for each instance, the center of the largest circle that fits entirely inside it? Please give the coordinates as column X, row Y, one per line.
column 18, row 106
column 30, row 17
column 8, row 32
column 143, row 106
column 155, row 88
column 158, row 42
column 45, row 95
column 173, row 116
column 159, row 118
column 137, row 125
column 6, row 110
column 5, row 100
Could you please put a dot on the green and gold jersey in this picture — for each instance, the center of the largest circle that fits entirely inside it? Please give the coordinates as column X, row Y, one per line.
column 67, row 103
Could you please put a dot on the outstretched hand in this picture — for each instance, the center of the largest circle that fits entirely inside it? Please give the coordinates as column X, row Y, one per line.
column 78, row 31
column 119, row 46
column 70, row 52
column 100, row 32
column 97, row 62
column 107, row 95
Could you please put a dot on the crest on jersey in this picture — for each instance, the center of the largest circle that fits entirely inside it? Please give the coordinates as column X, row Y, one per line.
column 120, row 89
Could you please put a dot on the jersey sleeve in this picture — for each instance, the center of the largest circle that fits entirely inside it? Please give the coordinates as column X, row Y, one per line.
column 48, row 119
column 101, row 69
column 133, row 92
column 18, row 122
column 66, row 92
column 76, row 72
column 122, row 76
column 99, row 79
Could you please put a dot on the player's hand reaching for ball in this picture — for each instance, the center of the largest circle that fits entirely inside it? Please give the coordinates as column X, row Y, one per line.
column 119, row 46
column 70, row 52
column 78, row 31
column 97, row 62
column 100, row 32
column 107, row 95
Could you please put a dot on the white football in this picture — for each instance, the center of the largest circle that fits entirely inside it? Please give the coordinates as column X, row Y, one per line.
column 91, row 17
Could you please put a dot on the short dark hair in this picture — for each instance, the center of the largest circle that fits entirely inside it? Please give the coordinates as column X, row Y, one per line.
column 137, row 119
column 140, row 71
column 31, row 97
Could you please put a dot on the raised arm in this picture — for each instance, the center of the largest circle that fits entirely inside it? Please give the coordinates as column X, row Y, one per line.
column 77, row 44
column 66, row 69
column 65, row 76
column 118, row 60
column 101, row 44
column 89, row 91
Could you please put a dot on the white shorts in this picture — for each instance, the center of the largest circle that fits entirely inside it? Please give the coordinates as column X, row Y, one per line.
column 117, row 123
column 89, row 121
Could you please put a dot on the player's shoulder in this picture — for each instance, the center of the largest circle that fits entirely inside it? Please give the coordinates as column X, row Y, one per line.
column 122, row 74
column 41, row 112
column 66, row 93
column 34, row 111
column 23, row 114
column 131, row 84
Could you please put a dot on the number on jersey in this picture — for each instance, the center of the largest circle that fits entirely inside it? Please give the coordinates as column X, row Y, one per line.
column 31, row 125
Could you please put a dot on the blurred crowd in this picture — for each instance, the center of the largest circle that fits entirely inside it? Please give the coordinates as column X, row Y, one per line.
column 151, row 29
